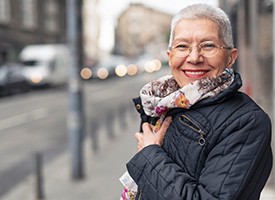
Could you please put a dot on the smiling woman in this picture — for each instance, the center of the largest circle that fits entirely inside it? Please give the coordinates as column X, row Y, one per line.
column 201, row 138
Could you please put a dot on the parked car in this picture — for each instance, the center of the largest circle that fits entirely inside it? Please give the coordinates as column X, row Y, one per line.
column 12, row 79
column 46, row 64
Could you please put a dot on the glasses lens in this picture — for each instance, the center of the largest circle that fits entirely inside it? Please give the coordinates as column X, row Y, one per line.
column 181, row 53
column 181, row 50
column 208, row 49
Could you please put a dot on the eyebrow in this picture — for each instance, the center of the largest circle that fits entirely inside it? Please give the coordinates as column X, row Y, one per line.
column 180, row 40
column 202, row 40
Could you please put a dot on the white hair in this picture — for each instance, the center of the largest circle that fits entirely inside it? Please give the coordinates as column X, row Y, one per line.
column 205, row 11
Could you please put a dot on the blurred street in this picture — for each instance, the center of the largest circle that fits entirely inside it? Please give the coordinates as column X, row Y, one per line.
column 35, row 122
column 103, row 168
column 108, row 145
column 47, row 45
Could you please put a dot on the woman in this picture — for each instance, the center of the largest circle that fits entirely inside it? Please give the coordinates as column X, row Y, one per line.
column 217, row 144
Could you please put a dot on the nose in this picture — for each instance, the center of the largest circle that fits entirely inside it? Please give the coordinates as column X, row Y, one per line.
column 194, row 55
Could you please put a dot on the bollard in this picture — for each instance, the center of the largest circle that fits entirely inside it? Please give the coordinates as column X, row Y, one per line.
column 94, row 134
column 110, row 116
column 122, row 115
column 39, row 177
column 133, row 112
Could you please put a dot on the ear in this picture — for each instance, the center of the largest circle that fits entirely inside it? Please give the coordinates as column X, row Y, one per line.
column 233, row 55
column 169, row 54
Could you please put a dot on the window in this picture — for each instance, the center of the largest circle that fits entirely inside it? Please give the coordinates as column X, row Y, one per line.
column 5, row 11
column 51, row 19
column 29, row 8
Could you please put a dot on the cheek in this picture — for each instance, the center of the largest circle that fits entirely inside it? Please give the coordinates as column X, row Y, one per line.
column 220, row 67
column 175, row 63
column 175, row 66
column 217, row 65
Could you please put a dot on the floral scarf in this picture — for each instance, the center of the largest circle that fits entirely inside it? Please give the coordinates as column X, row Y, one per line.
column 159, row 96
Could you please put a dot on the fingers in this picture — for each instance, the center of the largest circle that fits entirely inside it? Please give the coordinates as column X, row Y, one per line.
column 148, row 137
column 146, row 127
column 165, row 125
column 138, row 136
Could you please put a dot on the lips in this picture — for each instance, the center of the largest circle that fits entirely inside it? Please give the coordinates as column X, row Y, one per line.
column 195, row 73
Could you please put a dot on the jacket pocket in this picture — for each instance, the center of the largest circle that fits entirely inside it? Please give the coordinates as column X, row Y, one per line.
column 195, row 127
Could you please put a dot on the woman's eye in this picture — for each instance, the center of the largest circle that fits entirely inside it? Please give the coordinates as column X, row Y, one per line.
column 208, row 46
column 182, row 46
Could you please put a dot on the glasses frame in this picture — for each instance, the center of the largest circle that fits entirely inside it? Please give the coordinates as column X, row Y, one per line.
column 190, row 48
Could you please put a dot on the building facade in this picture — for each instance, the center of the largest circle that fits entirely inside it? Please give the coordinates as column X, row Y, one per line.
column 91, row 31
column 142, row 30
column 253, row 29
column 30, row 22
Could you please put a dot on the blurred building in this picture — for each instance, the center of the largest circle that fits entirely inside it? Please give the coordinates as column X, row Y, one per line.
column 253, row 24
column 91, row 31
column 29, row 22
column 142, row 30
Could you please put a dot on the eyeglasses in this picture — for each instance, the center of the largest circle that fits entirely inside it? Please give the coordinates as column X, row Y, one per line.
column 206, row 49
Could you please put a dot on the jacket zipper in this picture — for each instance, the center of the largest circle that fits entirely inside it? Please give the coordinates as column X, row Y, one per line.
column 195, row 127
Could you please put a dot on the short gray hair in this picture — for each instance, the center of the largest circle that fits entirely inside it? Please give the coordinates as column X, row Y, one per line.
column 205, row 11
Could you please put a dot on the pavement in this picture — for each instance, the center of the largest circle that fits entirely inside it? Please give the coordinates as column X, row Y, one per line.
column 103, row 168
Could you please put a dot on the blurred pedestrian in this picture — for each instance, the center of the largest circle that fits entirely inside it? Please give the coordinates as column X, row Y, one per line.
column 201, row 138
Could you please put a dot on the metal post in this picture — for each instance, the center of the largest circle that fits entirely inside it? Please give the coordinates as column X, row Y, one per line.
column 75, row 115
column 39, row 176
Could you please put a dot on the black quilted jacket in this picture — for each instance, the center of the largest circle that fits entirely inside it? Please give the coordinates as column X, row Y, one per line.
column 219, row 149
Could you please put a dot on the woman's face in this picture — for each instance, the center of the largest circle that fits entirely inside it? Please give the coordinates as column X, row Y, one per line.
column 196, row 66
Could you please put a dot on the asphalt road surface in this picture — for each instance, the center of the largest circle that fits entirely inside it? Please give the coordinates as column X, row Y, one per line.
column 36, row 122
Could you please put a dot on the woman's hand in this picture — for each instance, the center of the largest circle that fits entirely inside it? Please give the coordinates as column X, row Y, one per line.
column 149, row 137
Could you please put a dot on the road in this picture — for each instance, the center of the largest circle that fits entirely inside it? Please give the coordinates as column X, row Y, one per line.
column 37, row 121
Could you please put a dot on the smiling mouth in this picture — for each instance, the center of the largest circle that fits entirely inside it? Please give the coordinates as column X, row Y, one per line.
column 195, row 73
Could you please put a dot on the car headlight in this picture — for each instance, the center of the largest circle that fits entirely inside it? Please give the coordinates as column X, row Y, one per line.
column 36, row 78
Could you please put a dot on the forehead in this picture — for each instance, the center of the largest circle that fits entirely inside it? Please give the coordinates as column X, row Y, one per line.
column 196, row 29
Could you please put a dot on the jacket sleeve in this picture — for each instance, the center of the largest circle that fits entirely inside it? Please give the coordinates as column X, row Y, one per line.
column 236, row 168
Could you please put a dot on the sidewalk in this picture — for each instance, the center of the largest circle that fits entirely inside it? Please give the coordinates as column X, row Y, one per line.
column 102, row 170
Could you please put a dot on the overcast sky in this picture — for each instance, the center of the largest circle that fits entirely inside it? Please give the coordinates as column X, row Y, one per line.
column 109, row 10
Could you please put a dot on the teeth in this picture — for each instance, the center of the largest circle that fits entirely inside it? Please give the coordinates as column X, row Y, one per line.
column 196, row 72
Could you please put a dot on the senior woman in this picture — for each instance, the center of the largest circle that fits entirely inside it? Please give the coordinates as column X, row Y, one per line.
column 210, row 141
